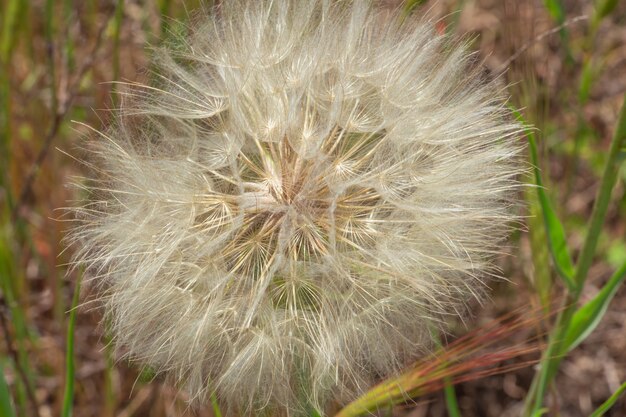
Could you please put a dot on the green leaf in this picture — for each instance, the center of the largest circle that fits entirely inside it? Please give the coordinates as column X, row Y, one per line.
column 554, row 228
column 68, row 396
column 609, row 403
column 540, row 412
column 587, row 317
column 6, row 409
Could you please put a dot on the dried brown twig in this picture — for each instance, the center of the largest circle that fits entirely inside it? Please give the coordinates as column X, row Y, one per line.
column 539, row 38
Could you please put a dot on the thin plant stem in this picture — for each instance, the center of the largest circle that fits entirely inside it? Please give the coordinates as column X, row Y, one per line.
column 49, row 30
column 117, row 24
column 70, row 366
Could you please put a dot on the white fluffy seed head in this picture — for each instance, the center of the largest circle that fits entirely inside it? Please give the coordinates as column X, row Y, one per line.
column 304, row 191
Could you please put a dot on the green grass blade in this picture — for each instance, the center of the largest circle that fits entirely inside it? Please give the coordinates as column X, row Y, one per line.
column 68, row 396
column 554, row 228
column 9, row 24
column 542, row 271
column 6, row 409
column 409, row 5
column 117, row 30
column 164, row 11
column 69, row 47
column 50, row 46
column 587, row 77
column 216, row 407
column 110, row 399
column 609, row 403
column 451, row 403
column 448, row 389
column 10, row 281
column 609, row 179
column 10, row 21
column 314, row 413
column 602, row 9
column 587, row 318
column 556, row 10
column 557, row 347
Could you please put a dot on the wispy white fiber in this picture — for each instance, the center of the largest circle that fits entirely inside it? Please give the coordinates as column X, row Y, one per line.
column 302, row 193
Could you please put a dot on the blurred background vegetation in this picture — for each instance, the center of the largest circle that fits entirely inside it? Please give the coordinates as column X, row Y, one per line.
column 564, row 62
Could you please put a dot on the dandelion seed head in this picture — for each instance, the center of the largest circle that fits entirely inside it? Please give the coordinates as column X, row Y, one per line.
column 302, row 193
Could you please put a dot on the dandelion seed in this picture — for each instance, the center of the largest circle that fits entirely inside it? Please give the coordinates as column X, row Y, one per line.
column 304, row 190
